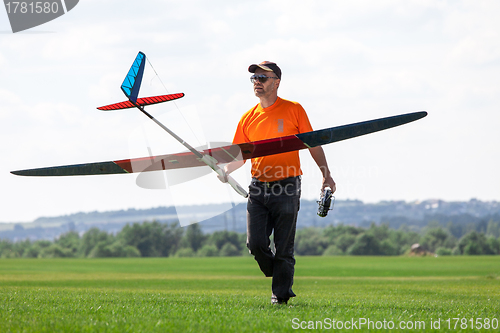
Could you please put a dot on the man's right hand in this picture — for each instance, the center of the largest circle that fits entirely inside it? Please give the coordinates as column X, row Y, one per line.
column 228, row 168
column 223, row 177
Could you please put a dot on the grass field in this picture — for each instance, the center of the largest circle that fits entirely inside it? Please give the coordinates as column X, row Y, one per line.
column 231, row 295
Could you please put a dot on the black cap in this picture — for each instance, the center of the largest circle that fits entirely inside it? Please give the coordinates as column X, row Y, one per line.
column 267, row 66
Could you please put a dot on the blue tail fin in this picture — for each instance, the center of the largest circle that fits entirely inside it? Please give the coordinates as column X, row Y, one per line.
column 132, row 82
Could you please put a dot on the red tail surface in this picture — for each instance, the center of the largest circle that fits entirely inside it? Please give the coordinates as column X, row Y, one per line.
column 142, row 102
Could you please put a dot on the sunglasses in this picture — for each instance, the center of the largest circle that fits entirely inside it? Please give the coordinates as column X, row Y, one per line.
column 261, row 78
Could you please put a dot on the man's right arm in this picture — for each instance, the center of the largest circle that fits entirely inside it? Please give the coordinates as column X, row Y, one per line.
column 229, row 168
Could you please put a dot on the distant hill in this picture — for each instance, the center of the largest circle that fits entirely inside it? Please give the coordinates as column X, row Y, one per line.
column 413, row 215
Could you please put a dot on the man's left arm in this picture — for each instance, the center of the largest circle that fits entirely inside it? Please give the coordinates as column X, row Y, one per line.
column 319, row 157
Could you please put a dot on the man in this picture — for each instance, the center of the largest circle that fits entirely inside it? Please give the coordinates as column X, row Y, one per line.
column 274, row 195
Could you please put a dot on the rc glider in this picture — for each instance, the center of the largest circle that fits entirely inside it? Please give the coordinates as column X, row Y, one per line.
column 214, row 157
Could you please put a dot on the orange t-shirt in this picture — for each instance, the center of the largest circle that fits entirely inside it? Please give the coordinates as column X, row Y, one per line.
column 280, row 119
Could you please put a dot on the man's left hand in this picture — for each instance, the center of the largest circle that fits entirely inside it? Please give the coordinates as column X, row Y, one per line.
column 329, row 182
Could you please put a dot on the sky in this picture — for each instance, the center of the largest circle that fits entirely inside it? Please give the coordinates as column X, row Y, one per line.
column 343, row 61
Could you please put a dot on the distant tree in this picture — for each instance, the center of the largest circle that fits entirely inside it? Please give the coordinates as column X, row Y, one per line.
column 101, row 250
column 21, row 247
column 194, row 237
column 342, row 236
column 144, row 236
column 56, row 251
column 494, row 244
column 437, row 237
column 457, row 230
column 469, row 227
column 152, row 239
column 389, row 248
column 344, row 241
column 365, row 244
column 380, row 232
column 127, row 251
column 35, row 249
column 7, row 249
column 481, row 226
column 221, row 238
column 408, row 239
column 493, row 229
column 310, row 241
column 229, row 250
column 333, row 250
column 401, row 240
column 172, row 235
column 116, row 249
column 70, row 241
column 28, row 249
column 388, row 239
column 474, row 243
column 43, row 243
column 32, row 252
column 331, row 233
column 208, row 250
column 185, row 252
column 91, row 238
column 443, row 251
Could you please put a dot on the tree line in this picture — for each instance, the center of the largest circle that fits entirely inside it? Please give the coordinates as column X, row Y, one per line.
column 147, row 239
column 382, row 240
column 155, row 239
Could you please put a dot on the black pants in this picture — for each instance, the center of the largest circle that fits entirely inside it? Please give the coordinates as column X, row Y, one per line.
column 274, row 206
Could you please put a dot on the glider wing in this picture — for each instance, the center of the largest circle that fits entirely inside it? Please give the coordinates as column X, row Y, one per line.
column 229, row 153
column 300, row 141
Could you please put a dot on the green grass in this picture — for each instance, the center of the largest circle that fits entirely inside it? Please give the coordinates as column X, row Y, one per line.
column 231, row 295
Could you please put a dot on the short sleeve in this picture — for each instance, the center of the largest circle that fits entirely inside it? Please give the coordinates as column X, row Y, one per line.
column 239, row 135
column 303, row 120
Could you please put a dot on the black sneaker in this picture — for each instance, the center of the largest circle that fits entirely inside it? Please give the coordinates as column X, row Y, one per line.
column 276, row 300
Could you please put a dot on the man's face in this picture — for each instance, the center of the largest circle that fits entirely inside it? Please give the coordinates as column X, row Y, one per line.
column 267, row 88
